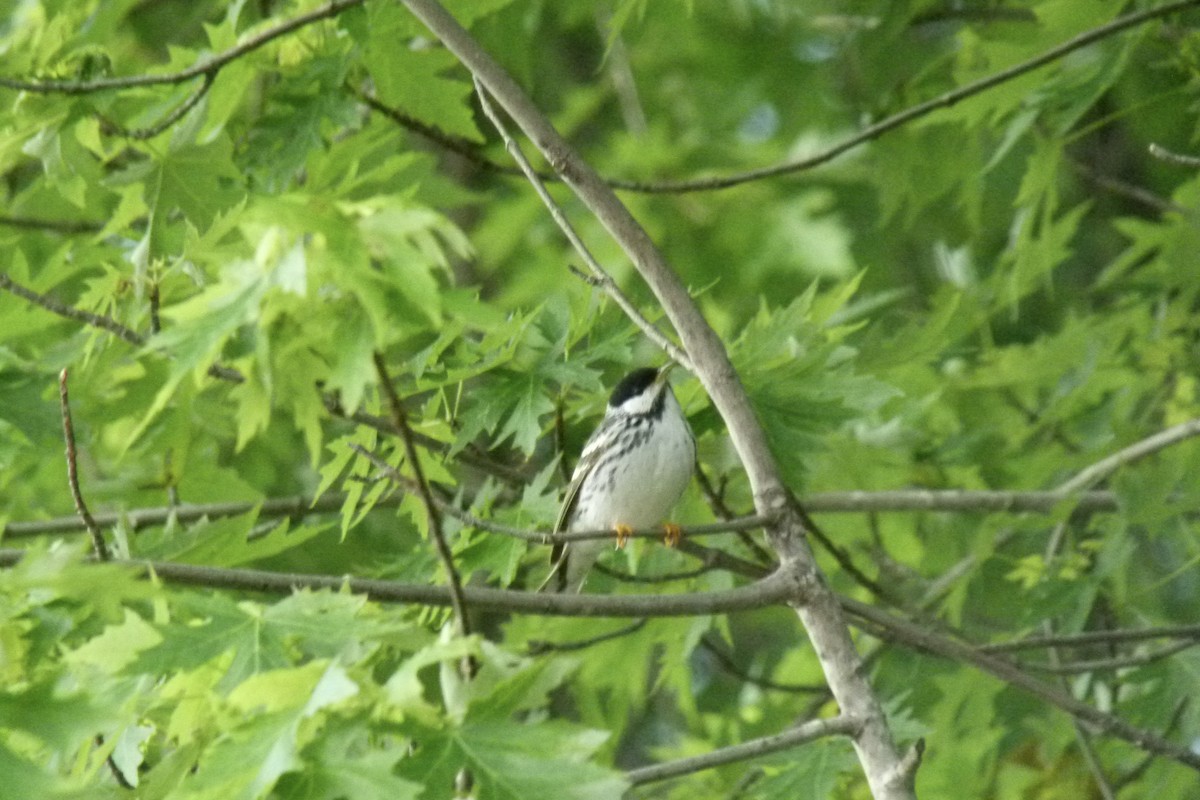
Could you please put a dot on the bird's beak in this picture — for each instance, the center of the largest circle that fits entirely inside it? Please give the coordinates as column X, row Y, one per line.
column 663, row 372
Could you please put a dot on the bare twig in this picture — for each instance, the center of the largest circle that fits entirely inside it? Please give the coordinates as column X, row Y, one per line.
column 1082, row 735
column 1128, row 190
column 98, row 546
column 731, row 666
column 915, row 112
column 100, row 321
column 58, row 225
column 825, row 502
column 1160, row 152
column 599, row 274
column 149, row 132
column 716, row 502
column 1058, row 667
column 1086, row 478
column 455, row 144
column 664, row 577
column 955, row 500
column 118, row 776
column 61, row 309
column 1089, row 638
column 911, row 635
column 1143, row 765
column 801, row 734
column 537, row 648
column 765, row 593
column 205, row 67
column 432, row 508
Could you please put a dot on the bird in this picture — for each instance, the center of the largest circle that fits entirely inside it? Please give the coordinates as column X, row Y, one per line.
column 633, row 470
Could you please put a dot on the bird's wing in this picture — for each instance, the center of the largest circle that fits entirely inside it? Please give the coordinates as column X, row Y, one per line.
column 595, row 447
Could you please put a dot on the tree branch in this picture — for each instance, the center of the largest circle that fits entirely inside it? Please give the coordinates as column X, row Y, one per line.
column 731, row 666
column 99, row 548
column 1094, row 637
column 206, row 67
column 915, row 112
column 432, row 508
column 902, row 500
column 1171, row 157
column 882, row 763
column 1097, row 472
column 906, row 633
column 167, row 121
column 69, row 312
column 58, row 225
column 100, row 321
column 600, row 276
column 801, row 734
column 770, row 591
column 537, row 648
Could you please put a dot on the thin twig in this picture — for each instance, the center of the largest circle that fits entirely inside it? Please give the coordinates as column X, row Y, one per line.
column 432, row 508
column 100, row 321
column 88, row 318
column 118, row 776
column 1082, row 736
column 665, row 577
column 1095, row 637
column 609, row 286
column 1128, row 190
column 824, row 502
column 1086, row 478
column 920, row 638
column 57, row 225
column 1056, row 667
column 801, row 734
column 1160, row 152
column 455, row 144
column 205, row 67
column 1140, row 769
column 537, row 648
column 98, row 546
column 731, row 666
column 915, row 112
column 716, row 502
column 149, row 132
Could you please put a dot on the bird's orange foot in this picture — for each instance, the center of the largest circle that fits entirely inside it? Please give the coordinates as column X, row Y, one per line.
column 623, row 533
column 672, row 533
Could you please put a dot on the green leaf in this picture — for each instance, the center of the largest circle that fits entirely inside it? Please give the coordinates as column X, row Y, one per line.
column 521, row 762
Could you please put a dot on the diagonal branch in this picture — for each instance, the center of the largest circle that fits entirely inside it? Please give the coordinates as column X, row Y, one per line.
column 915, row 112
column 888, row 773
column 98, row 546
column 801, row 734
column 100, row 321
column 1086, row 478
column 150, row 131
column 205, row 67
column 600, row 276
column 919, row 638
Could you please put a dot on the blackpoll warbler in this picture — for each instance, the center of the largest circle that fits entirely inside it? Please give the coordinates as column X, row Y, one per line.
column 632, row 472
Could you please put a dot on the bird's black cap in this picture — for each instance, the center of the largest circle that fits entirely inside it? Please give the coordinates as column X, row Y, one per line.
column 632, row 385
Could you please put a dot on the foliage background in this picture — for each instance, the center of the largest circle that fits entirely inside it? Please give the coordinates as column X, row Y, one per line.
column 991, row 296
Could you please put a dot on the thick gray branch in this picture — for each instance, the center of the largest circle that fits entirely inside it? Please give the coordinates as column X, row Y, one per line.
column 816, row 605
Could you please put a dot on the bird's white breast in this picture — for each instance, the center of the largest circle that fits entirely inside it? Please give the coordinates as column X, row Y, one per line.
column 647, row 482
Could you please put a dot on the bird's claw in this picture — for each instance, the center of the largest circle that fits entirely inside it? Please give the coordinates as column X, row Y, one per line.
column 672, row 533
column 623, row 533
